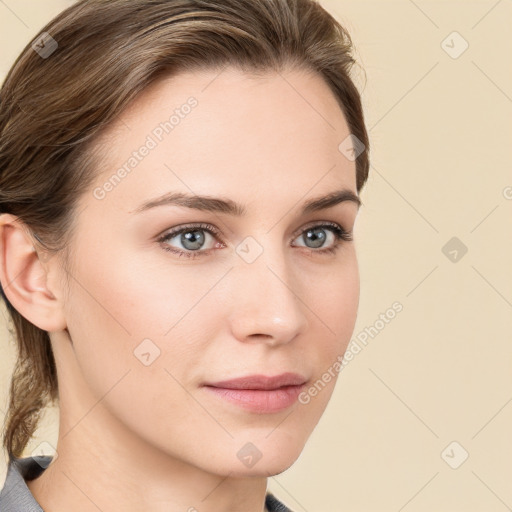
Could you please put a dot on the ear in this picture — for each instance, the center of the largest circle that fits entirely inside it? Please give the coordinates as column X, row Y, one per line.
column 23, row 275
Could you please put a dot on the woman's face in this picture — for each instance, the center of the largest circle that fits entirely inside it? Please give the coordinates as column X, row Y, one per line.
column 249, row 288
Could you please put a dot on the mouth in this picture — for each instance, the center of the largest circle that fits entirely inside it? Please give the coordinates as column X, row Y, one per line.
column 260, row 393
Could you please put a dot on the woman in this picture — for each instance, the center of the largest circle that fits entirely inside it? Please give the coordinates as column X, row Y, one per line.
column 179, row 185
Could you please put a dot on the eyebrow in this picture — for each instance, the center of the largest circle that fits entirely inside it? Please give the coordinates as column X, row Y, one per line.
column 230, row 207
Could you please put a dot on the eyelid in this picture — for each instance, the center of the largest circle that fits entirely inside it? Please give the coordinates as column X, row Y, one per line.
column 317, row 224
column 171, row 232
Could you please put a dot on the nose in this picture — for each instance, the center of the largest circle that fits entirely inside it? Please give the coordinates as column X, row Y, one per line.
column 266, row 306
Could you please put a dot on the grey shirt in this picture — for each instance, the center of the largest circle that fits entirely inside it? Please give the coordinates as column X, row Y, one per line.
column 15, row 495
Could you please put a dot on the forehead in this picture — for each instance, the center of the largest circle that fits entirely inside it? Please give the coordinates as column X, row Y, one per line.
column 213, row 131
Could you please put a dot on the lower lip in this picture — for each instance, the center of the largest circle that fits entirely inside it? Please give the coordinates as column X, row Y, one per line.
column 260, row 400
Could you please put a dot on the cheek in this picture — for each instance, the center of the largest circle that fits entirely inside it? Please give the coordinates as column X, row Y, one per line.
column 346, row 305
column 135, row 300
column 118, row 328
column 336, row 303
column 337, row 300
column 338, row 311
column 133, row 315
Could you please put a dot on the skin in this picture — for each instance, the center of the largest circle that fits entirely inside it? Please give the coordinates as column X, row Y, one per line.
column 149, row 437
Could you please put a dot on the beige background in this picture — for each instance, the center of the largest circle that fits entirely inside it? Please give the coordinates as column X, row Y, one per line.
column 440, row 371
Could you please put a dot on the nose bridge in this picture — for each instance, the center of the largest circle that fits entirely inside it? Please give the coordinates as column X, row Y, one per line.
column 265, row 303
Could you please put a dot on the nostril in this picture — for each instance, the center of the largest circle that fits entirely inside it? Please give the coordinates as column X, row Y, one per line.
column 260, row 336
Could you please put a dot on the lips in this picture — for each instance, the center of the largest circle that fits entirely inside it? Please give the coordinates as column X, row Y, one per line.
column 260, row 393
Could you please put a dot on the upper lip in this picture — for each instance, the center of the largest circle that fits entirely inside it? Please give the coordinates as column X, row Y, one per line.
column 260, row 381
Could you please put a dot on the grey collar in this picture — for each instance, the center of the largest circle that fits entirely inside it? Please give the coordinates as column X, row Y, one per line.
column 15, row 495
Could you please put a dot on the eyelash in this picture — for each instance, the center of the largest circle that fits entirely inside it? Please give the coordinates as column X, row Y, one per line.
column 339, row 233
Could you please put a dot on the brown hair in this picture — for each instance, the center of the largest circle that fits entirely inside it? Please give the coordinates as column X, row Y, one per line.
column 53, row 106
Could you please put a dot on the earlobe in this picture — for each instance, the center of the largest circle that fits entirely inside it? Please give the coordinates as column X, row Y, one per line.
column 24, row 277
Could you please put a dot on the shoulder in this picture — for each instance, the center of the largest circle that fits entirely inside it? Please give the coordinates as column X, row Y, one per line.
column 15, row 495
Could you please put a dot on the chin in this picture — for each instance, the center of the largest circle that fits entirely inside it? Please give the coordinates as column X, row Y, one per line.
column 260, row 469
column 273, row 461
column 279, row 466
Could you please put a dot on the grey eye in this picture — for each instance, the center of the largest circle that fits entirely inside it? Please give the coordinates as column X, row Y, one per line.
column 315, row 237
column 192, row 240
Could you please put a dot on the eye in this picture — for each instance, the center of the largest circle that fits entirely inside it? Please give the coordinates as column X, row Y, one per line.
column 315, row 237
column 191, row 238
